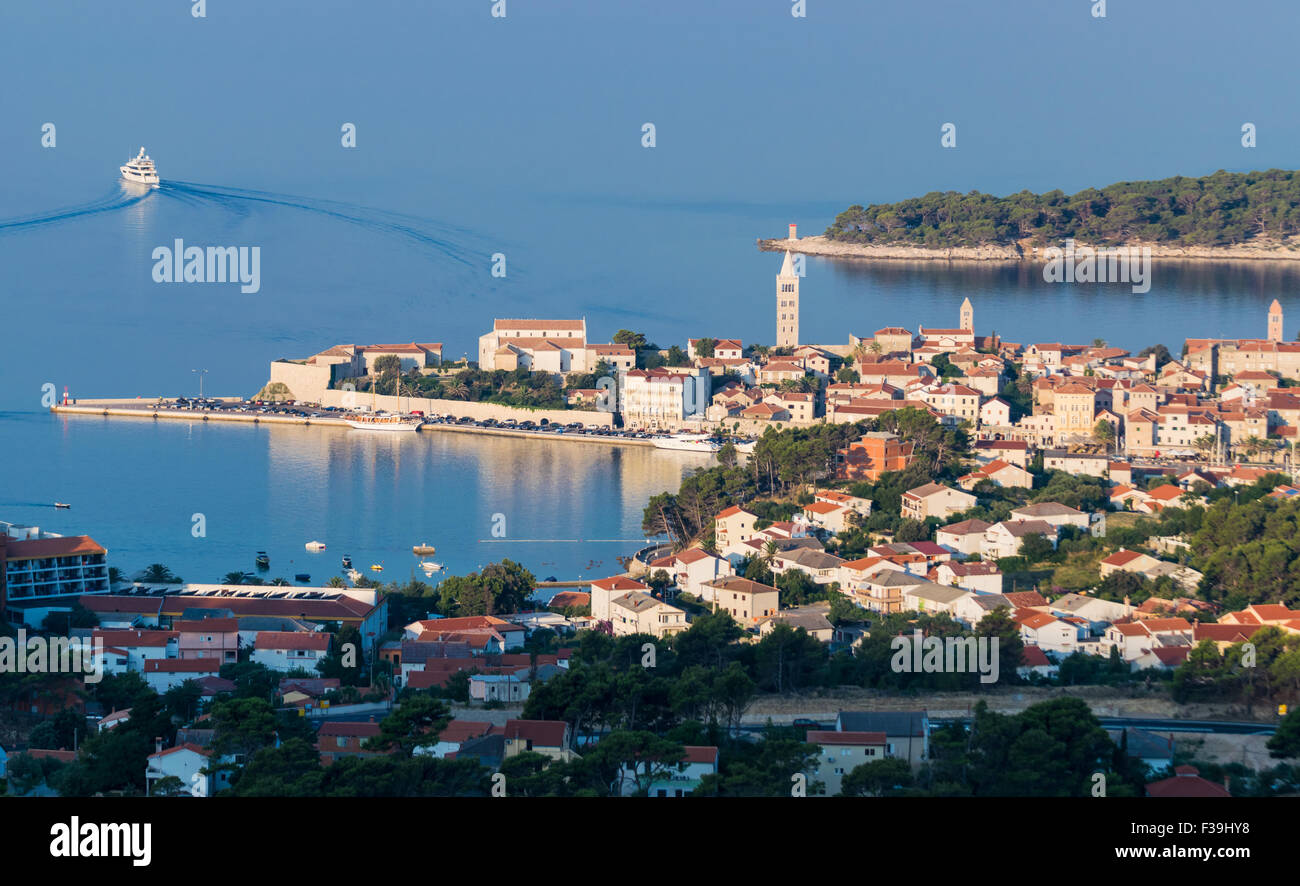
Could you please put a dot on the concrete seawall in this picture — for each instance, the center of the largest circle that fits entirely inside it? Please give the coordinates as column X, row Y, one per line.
column 147, row 410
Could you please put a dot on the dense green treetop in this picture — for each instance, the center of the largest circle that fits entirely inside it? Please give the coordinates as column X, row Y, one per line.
column 1215, row 210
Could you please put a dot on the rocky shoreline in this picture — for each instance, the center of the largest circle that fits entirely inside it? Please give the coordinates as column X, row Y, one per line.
column 821, row 246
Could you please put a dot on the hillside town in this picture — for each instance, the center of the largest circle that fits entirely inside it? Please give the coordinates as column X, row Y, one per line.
column 1072, row 504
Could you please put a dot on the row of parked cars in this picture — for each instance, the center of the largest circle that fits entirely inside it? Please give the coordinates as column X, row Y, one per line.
column 254, row 407
column 303, row 410
column 537, row 427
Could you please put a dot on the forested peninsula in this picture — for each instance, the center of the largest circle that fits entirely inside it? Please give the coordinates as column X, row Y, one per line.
column 1227, row 215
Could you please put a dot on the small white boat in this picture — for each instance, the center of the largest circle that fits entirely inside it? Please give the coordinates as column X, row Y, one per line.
column 383, row 423
column 430, row 566
column 315, row 546
column 61, row 504
column 140, row 170
column 688, row 443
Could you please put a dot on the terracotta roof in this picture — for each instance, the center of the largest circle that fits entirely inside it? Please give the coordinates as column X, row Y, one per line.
column 134, row 639
column 846, row 738
column 317, row 640
column 39, row 548
column 619, row 583
column 543, row 733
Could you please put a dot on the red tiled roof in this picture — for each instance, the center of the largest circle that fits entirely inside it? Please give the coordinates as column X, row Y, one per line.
column 846, row 738
column 543, row 733
column 315, row 640
column 38, row 548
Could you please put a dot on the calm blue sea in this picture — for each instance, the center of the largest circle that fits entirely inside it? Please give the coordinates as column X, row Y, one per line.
column 523, row 136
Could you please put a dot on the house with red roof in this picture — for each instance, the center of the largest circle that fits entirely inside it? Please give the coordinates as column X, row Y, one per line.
column 675, row 780
column 208, row 638
column 605, row 590
column 551, row 738
column 1186, row 783
column 840, row 752
column 337, row 739
column 166, row 673
column 185, row 762
column 1033, row 660
column 291, row 650
column 138, row 646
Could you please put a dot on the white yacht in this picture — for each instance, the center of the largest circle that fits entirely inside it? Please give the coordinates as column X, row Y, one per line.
column 384, row 423
column 688, row 443
column 141, row 170
column 315, row 546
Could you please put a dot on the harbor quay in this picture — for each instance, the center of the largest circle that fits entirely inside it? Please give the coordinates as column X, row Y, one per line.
column 235, row 409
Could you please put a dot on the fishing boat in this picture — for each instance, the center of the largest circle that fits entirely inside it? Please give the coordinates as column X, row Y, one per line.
column 302, row 576
column 263, row 561
column 423, row 550
column 376, row 567
column 688, row 443
column 315, row 546
column 347, row 562
column 62, row 504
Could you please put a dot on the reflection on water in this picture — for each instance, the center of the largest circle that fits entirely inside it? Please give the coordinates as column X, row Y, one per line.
column 135, row 485
column 1188, row 299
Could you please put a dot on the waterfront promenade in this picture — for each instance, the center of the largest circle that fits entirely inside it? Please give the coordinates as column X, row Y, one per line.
column 155, row 409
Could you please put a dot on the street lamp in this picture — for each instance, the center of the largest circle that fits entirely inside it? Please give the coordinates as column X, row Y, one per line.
column 201, row 372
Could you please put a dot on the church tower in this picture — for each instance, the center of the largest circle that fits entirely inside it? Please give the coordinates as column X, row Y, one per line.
column 967, row 315
column 1275, row 321
column 787, row 305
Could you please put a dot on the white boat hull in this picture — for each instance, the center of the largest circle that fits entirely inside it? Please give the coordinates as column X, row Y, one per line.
column 682, row 444
column 138, row 179
column 384, row 425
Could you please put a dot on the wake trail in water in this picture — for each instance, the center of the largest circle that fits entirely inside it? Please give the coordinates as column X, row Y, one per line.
column 116, row 199
column 425, row 232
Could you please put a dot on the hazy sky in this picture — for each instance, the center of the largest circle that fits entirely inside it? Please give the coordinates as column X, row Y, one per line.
column 750, row 103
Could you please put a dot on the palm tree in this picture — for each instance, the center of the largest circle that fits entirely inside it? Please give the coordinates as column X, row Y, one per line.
column 157, row 573
column 279, row 582
column 770, row 551
column 1254, row 445
column 457, row 390
column 236, row 578
column 336, row 582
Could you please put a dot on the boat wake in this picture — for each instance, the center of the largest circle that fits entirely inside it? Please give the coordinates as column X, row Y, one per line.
column 442, row 238
column 448, row 241
column 120, row 197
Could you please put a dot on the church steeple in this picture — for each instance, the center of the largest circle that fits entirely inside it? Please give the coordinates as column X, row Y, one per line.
column 967, row 315
column 1275, row 321
column 787, row 304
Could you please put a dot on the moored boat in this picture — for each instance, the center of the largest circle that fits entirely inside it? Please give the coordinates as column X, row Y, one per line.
column 347, row 561
column 383, row 423
column 315, row 546
column 688, row 443
column 263, row 561
column 302, row 576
